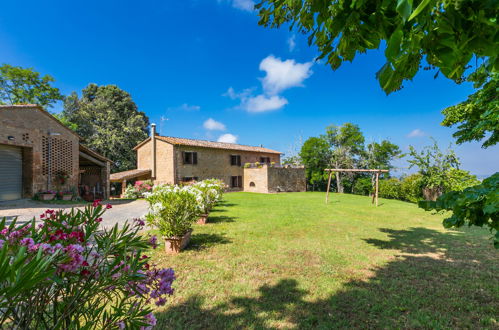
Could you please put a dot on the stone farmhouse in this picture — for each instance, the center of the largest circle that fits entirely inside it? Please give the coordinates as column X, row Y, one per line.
column 173, row 160
column 36, row 149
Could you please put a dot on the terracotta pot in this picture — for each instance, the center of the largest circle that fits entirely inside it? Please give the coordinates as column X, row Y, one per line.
column 47, row 197
column 67, row 197
column 203, row 218
column 174, row 245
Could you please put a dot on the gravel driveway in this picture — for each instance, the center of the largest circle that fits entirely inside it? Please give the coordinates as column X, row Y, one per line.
column 26, row 209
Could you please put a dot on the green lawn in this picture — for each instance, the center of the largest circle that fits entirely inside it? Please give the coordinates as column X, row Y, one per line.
column 291, row 261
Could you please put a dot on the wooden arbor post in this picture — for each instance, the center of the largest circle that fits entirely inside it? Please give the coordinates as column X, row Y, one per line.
column 376, row 171
column 328, row 185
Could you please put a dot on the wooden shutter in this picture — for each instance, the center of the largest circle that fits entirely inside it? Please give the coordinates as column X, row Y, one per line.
column 183, row 157
column 194, row 158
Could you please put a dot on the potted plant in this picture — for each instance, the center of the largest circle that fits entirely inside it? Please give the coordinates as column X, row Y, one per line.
column 47, row 195
column 67, row 195
column 210, row 193
column 173, row 210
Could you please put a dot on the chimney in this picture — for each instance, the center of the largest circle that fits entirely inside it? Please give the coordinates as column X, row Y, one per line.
column 153, row 151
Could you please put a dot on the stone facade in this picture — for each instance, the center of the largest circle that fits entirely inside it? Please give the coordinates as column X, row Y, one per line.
column 165, row 169
column 211, row 162
column 28, row 127
column 36, row 132
column 269, row 179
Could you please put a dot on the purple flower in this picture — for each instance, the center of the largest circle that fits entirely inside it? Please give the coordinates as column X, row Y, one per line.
column 139, row 222
column 28, row 241
column 160, row 302
column 1, row 243
column 121, row 324
column 153, row 241
column 4, row 231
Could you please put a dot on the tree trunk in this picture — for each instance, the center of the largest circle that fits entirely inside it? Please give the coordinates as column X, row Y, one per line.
column 339, row 186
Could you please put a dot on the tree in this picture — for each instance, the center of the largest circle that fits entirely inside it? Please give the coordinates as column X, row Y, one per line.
column 347, row 146
column 477, row 117
column 434, row 166
column 315, row 155
column 448, row 34
column 26, row 86
column 381, row 155
column 109, row 121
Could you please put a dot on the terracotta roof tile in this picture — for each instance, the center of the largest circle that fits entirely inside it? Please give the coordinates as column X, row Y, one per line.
column 120, row 176
column 209, row 144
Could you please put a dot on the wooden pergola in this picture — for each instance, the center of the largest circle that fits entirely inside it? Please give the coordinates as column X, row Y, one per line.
column 331, row 170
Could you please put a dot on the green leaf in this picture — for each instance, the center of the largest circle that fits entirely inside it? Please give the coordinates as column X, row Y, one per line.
column 393, row 46
column 404, row 8
column 419, row 8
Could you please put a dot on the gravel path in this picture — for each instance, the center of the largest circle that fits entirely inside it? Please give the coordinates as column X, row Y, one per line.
column 26, row 209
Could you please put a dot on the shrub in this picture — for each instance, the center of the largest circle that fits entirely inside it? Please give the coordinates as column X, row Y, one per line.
column 363, row 186
column 66, row 274
column 173, row 209
column 458, row 180
column 138, row 189
column 411, row 188
column 211, row 192
column 389, row 188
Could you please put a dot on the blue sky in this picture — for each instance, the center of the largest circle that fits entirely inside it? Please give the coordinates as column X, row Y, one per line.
column 186, row 62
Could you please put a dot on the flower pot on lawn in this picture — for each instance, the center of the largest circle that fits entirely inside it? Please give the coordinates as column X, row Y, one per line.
column 47, row 197
column 174, row 245
column 203, row 218
column 67, row 197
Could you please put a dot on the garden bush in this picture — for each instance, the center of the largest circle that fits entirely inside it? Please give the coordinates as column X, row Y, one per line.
column 390, row 188
column 138, row 189
column 411, row 188
column 173, row 209
column 363, row 186
column 211, row 192
column 65, row 273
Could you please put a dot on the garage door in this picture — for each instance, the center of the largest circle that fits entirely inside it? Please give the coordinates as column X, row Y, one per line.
column 10, row 173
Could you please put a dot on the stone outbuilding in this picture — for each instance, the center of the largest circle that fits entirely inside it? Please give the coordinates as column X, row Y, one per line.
column 39, row 153
column 173, row 160
column 270, row 179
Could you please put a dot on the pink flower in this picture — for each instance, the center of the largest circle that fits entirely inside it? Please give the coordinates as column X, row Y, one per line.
column 96, row 202
column 108, row 206
column 98, row 220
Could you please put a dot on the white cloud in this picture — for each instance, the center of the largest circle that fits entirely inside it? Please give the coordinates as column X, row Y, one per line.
column 416, row 133
column 263, row 103
column 188, row 107
column 292, row 42
column 213, row 125
column 246, row 5
column 282, row 75
column 228, row 138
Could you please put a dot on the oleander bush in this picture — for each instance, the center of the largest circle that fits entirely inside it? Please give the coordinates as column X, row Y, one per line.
column 138, row 189
column 173, row 209
column 67, row 273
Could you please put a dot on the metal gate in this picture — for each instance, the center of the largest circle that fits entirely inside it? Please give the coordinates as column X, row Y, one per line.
column 11, row 174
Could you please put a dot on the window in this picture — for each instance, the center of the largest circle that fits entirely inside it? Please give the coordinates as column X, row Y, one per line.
column 265, row 160
column 189, row 178
column 252, row 184
column 236, row 181
column 235, row 160
column 190, row 158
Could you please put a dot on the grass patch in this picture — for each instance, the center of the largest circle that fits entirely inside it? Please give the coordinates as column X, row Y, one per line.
column 291, row 261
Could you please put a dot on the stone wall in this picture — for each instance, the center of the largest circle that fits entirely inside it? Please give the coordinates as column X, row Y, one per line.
column 27, row 127
column 286, row 179
column 164, row 161
column 256, row 179
column 268, row 179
